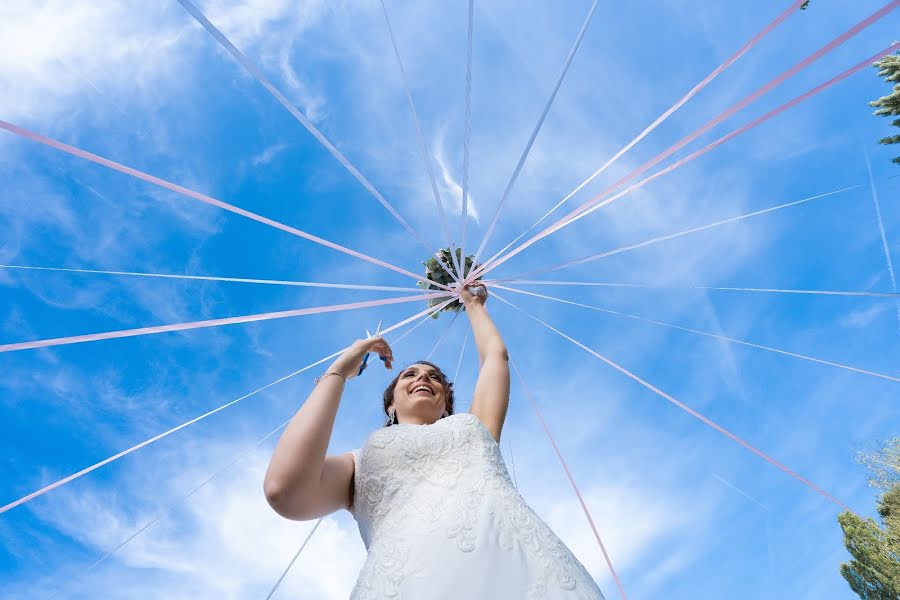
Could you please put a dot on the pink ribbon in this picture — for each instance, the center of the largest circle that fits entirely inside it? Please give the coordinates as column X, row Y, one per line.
column 707, row 334
column 688, row 410
column 314, row 284
column 595, row 202
column 93, row 337
column 197, row 488
column 662, row 118
column 136, row 447
column 301, row 118
column 559, row 455
column 670, row 236
column 696, row 287
column 25, row 133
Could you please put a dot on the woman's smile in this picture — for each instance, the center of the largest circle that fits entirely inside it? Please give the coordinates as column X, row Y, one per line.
column 422, row 388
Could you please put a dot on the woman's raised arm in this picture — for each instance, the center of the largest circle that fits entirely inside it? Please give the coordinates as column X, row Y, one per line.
column 301, row 482
column 491, row 398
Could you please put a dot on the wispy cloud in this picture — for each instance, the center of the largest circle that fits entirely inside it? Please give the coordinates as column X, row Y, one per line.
column 267, row 155
column 863, row 317
column 451, row 186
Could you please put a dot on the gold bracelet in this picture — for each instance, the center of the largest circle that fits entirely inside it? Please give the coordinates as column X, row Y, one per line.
column 327, row 373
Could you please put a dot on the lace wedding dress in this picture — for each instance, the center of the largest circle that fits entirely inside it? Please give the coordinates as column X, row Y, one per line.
column 440, row 519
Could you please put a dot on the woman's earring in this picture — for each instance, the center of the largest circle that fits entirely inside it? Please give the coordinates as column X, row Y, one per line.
column 394, row 420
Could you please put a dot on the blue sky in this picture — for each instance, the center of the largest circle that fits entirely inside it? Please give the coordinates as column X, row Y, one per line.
column 684, row 512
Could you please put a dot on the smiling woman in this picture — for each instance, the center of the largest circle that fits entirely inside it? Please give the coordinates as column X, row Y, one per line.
column 435, row 505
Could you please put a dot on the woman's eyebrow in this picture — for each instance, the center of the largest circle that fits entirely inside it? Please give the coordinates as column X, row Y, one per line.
column 430, row 371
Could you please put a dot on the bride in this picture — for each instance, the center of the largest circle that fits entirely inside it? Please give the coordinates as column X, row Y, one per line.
column 436, row 509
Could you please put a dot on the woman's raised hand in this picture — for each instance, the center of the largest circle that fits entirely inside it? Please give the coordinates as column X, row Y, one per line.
column 349, row 362
column 475, row 293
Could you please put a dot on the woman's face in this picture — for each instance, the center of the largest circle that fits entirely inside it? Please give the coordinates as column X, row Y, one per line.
column 420, row 391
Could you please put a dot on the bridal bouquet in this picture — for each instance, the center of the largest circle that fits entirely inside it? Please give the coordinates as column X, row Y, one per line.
column 439, row 269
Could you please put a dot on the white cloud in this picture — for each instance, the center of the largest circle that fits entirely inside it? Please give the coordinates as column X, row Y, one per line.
column 252, row 22
column 632, row 521
column 224, row 542
column 451, row 187
column 53, row 51
column 268, row 29
column 267, row 155
column 862, row 317
column 59, row 55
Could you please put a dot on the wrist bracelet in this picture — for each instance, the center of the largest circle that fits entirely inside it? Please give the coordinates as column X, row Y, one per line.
column 326, row 374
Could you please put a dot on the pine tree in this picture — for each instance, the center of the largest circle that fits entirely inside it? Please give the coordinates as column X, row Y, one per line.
column 882, row 462
column 874, row 571
column 889, row 106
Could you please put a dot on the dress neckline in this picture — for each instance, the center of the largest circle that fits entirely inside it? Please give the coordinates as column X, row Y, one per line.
column 435, row 423
column 481, row 425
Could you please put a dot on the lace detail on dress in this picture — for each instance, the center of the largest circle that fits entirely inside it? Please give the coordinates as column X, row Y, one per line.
column 448, row 479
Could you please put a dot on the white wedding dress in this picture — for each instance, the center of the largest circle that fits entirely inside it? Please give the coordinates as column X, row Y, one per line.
column 440, row 519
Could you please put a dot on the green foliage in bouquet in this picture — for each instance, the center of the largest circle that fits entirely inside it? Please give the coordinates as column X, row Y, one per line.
column 439, row 269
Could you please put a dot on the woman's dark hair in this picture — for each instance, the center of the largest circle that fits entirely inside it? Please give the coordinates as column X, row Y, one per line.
column 388, row 397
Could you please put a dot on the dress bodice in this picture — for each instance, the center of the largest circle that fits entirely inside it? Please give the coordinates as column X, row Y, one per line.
column 440, row 518
column 417, row 473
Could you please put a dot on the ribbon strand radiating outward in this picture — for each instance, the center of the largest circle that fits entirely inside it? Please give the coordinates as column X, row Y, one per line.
column 313, row 284
column 136, row 447
column 565, row 467
column 769, row 115
column 686, row 408
column 294, row 559
column 93, row 337
column 707, row 334
column 462, row 351
column 662, row 118
column 598, row 200
column 467, row 130
column 423, row 148
column 536, row 130
column 697, row 287
column 25, row 133
column 671, row 236
column 439, row 341
column 303, row 119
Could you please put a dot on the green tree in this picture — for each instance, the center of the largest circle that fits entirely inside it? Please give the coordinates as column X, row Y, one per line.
column 874, row 571
column 882, row 463
column 889, row 106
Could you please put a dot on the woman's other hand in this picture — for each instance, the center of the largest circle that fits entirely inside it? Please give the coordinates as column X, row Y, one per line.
column 349, row 362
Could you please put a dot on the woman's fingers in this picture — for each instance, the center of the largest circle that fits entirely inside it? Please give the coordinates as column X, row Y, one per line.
column 474, row 292
column 383, row 349
column 350, row 362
